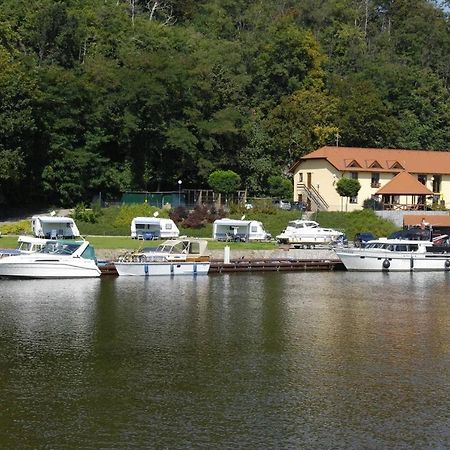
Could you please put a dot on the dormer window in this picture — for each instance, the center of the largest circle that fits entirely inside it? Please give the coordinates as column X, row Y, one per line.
column 352, row 163
column 395, row 165
column 373, row 164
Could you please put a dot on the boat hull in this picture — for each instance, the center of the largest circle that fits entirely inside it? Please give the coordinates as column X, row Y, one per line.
column 394, row 262
column 307, row 240
column 49, row 269
column 166, row 268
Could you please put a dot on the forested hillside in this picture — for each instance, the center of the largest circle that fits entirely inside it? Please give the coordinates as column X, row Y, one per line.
column 107, row 95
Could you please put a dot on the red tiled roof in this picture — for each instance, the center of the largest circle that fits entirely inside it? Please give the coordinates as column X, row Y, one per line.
column 389, row 160
column 404, row 184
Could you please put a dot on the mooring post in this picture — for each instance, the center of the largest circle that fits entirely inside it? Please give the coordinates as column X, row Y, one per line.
column 226, row 254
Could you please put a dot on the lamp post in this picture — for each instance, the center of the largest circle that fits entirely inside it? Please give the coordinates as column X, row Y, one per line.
column 179, row 192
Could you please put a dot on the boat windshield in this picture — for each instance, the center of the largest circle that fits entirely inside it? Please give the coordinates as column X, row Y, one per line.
column 175, row 248
column 25, row 246
column 182, row 247
column 295, row 224
column 60, row 248
column 393, row 247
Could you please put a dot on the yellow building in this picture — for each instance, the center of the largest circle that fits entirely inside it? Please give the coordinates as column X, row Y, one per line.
column 399, row 179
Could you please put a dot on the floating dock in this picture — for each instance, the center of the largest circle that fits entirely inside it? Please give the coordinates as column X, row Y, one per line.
column 276, row 265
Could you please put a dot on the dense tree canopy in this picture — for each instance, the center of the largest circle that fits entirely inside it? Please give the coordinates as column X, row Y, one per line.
column 136, row 94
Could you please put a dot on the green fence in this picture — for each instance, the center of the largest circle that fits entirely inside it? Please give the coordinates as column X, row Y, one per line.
column 158, row 199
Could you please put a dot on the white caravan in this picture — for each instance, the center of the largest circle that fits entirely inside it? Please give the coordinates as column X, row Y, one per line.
column 54, row 227
column 153, row 228
column 239, row 230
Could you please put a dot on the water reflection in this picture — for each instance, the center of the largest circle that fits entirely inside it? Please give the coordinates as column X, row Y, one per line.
column 266, row 360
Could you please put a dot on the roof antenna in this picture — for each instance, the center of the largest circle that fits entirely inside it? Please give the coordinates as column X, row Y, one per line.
column 337, row 138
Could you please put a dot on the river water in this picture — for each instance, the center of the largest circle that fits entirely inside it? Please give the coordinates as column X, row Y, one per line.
column 290, row 360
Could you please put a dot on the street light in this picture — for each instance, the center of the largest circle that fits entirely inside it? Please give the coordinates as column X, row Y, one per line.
column 179, row 192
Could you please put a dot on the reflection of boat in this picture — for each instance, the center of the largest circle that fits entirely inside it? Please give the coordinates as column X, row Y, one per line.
column 396, row 255
column 25, row 245
column 172, row 257
column 57, row 259
column 308, row 232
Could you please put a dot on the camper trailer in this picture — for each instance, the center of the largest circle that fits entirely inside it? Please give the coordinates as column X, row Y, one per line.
column 153, row 228
column 53, row 227
column 239, row 230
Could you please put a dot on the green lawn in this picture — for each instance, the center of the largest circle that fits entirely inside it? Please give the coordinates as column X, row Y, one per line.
column 7, row 241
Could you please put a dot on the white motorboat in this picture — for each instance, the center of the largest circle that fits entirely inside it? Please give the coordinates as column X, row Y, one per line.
column 57, row 259
column 172, row 257
column 402, row 255
column 308, row 233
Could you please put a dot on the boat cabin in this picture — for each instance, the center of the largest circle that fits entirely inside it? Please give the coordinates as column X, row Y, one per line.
column 183, row 246
column 53, row 227
column 239, row 230
column 300, row 224
column 149, row 228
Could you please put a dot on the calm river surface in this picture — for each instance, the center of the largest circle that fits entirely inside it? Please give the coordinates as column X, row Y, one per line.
column 292, row 360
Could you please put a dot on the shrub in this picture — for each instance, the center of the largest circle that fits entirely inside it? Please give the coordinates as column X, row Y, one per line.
column 128, row 212
column 178, row 214
column 436, row 206
column 83, row 214
column 371, row 203
column 22, row 227
column 197, row 218
column 201, row 215
column 214, row 214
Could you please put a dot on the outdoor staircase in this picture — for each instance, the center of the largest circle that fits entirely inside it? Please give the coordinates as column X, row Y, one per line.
column 311, row 193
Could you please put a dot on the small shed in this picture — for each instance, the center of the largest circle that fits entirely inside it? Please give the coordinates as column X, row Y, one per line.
column 239, row 230
column 54, row 227
column 148, row 228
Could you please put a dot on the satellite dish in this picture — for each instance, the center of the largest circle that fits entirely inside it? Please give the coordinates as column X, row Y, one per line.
column 156, row 214
column 243, row 217
column 53, row 213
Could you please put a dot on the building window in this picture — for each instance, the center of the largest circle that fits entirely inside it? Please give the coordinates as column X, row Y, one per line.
column 353, row 199
column 354, row 175
column 422, row 179
column 300, row 177
column 375, row 180
column 436, row 180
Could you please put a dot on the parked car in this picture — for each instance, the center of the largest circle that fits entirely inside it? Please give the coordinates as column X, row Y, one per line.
column 283, row 204
column 300, row 206
column 360, row 239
